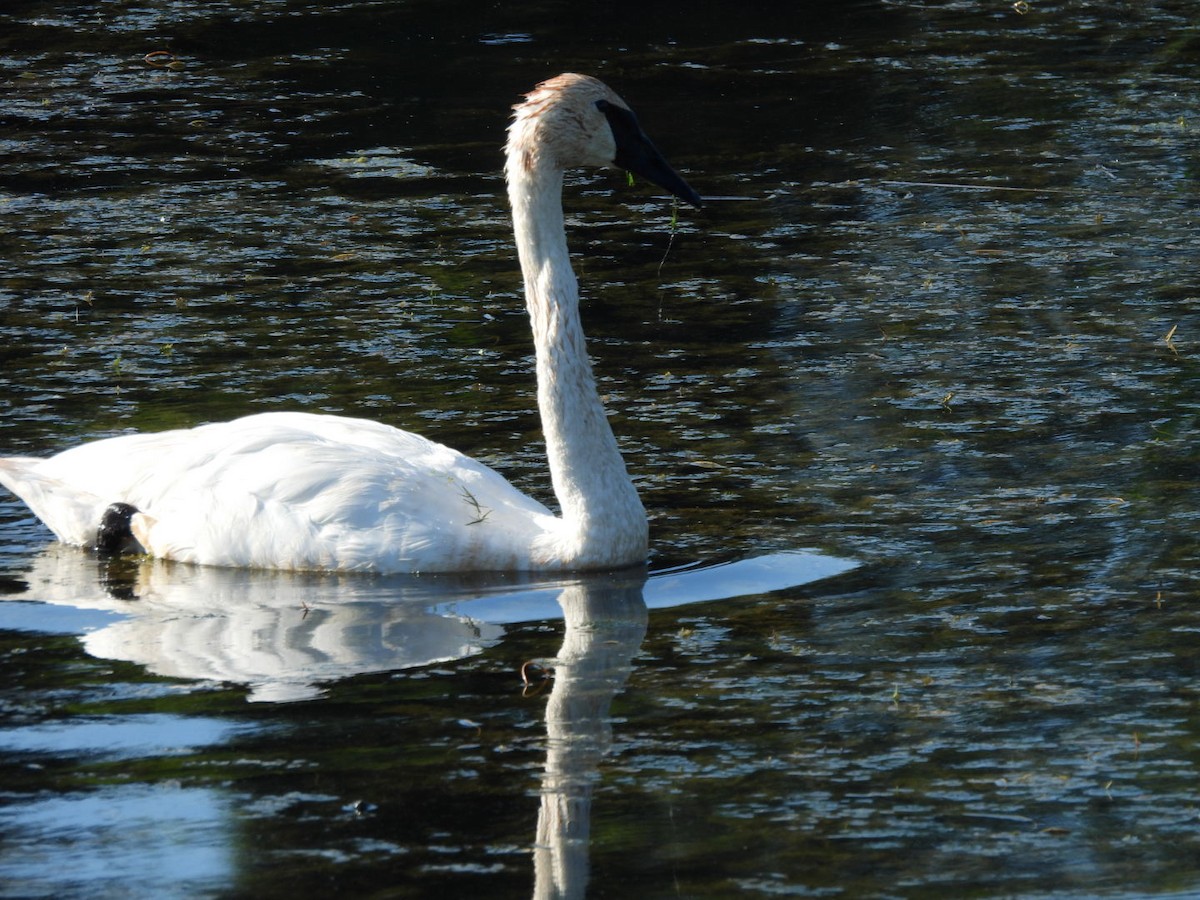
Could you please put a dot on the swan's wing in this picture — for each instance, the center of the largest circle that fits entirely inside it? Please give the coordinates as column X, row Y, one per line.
column 294, row 490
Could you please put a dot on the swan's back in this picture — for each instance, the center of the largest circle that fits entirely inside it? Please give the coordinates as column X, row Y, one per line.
column 293, row 491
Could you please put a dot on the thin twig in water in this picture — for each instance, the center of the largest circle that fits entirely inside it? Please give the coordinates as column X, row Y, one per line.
column 1169, row 340
column 531, row 689
column 671, row 239
column 667, row 252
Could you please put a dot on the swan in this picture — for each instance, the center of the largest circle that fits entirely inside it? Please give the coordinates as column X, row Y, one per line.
column 304, row 491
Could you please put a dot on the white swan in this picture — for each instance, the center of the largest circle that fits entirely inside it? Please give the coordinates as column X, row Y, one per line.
column 304, row 491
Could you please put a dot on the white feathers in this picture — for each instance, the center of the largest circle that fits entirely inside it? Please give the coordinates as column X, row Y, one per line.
column 302, row 491
column 295, row 491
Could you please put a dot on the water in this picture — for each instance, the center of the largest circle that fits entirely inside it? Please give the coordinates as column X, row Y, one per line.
column 948, row 333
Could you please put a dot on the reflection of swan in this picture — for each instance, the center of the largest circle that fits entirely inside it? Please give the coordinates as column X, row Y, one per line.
column 605, row 625
column 302, row 491
column 285, row 633
column 280, row 633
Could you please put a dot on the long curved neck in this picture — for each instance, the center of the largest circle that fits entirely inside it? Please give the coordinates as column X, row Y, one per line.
column 604, row 522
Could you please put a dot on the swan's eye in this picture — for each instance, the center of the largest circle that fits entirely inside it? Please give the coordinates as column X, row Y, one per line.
column 623, row 123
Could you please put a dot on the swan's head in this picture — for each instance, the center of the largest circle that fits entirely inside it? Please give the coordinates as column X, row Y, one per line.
column 576, row 120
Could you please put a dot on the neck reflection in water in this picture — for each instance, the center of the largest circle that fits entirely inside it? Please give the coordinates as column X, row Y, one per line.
column 605, row 626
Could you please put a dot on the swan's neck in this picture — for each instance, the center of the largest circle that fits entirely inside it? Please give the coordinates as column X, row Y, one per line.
column 603, row 522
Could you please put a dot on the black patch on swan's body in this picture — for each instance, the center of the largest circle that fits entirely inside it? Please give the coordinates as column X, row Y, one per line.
column 114, row 535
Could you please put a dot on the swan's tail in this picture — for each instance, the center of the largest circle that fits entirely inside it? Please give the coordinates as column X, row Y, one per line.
column 73, row 515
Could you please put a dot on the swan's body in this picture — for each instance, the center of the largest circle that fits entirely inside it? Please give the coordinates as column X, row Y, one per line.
column 304, row 491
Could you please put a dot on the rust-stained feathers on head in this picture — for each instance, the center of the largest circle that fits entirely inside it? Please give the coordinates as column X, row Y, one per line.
column 554, row 124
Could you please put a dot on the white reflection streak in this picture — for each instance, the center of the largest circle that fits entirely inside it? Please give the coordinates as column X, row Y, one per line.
column 605, row 625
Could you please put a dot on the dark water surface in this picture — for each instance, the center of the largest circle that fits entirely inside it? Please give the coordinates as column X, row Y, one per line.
column 948, row 332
